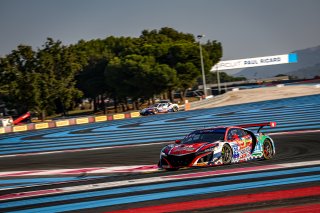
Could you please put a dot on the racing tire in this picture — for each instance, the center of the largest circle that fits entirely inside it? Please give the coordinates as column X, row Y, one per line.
column 226, row 154
column 167, row 169
column 175, row 109
column 267, row 149
column 171, row 169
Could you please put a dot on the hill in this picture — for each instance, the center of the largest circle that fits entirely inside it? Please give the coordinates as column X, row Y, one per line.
column 307, row 66
column 308, row 72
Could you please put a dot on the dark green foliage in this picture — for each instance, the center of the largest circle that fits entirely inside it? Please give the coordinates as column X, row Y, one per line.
column 51, row 79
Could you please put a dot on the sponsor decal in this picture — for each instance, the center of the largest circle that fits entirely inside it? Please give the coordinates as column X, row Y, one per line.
column 20, row 128
column 118, row 116
column 185, row 148
column 82, row 120
column 255, row 62
column 41, row 126
column 134, row 114
column 62, row 123
column 100, row 118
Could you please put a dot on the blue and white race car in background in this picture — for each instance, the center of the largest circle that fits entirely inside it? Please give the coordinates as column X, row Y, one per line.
column 160, row 107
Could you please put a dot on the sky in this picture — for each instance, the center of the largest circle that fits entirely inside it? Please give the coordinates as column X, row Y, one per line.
column 246, row 28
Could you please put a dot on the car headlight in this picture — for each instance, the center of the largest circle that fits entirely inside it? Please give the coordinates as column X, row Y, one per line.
column 163, row 154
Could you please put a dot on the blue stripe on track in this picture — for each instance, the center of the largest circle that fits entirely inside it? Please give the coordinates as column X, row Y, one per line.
column 171, row 194
column 298, row 113
column 155, row 187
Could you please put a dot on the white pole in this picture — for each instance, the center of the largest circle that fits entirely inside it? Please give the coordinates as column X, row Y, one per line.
column 202, row 67
column 218, row 81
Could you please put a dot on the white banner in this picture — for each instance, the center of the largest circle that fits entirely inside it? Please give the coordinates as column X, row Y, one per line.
column 255, row 62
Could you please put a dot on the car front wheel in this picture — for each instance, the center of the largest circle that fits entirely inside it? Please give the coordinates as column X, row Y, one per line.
column 226, row 154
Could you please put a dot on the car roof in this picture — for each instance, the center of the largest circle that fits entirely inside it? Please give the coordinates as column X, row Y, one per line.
column 219, row 127
column 164, row 101
column 215, row 129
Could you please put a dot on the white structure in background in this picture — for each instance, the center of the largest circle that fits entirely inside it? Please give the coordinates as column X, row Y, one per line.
column 253, row 62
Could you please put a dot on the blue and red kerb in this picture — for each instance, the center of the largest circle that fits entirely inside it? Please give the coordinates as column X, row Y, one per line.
column 239, row 199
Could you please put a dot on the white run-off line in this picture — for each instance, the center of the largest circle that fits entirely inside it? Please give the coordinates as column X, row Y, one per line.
column 73, row 189
column 80, row 171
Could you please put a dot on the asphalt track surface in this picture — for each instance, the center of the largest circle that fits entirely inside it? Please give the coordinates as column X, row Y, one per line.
column 288, row 182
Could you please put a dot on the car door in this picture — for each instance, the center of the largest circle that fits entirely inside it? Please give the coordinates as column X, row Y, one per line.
column 240, row 137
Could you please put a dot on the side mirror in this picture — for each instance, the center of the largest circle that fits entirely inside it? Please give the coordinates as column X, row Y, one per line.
column 178, row 141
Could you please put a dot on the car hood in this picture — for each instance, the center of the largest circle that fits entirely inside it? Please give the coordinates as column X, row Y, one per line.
column 183, row 149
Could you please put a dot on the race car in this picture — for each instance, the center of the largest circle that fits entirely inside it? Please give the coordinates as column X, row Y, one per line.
column 217, row 146
column 148, row 111
column 160, row 107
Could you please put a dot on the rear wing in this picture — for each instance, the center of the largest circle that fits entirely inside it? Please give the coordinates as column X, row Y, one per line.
column 261, row 125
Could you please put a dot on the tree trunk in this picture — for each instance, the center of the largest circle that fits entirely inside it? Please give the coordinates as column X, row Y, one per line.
column 127, row 104
column 43, row 115
column 123, row 107
column 137, row 105
column 183, row 95
column 95, row 107
column 103, row 104
column 115, row 105
column 171, row 95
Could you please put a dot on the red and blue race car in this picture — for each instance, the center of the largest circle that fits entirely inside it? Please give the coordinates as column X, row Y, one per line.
column 217, row 146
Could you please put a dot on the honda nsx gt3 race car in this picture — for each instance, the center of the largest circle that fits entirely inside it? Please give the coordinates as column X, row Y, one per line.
column 217, row 146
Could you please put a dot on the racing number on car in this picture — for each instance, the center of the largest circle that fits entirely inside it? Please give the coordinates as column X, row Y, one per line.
column 240, row 137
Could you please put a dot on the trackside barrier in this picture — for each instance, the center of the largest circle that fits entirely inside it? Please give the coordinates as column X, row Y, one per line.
column 82, row 120
column 20, row 128
column 67, row 122
column 134, row 114
column 118, row 116
column 102, row 118
column 41, row 126
column 62, row 123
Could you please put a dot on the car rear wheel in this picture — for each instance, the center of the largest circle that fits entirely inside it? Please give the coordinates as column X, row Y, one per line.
column 267, row 149
column 226, row 154
column 175, row 109
column 172, row 169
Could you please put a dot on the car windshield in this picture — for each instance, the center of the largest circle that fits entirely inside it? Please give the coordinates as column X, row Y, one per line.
column 154, row 105
column 210, row 135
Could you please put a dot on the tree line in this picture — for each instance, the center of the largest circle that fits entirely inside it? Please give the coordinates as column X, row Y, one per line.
column 55, row 77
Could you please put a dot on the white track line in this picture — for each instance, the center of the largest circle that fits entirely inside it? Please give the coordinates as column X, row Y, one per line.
column 74, row 189
column 135, row 145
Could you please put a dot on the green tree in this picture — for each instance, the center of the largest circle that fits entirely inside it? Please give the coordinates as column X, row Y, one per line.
column 58, row 66
column 181, row 52
column 18, row 78
column 137, row 76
